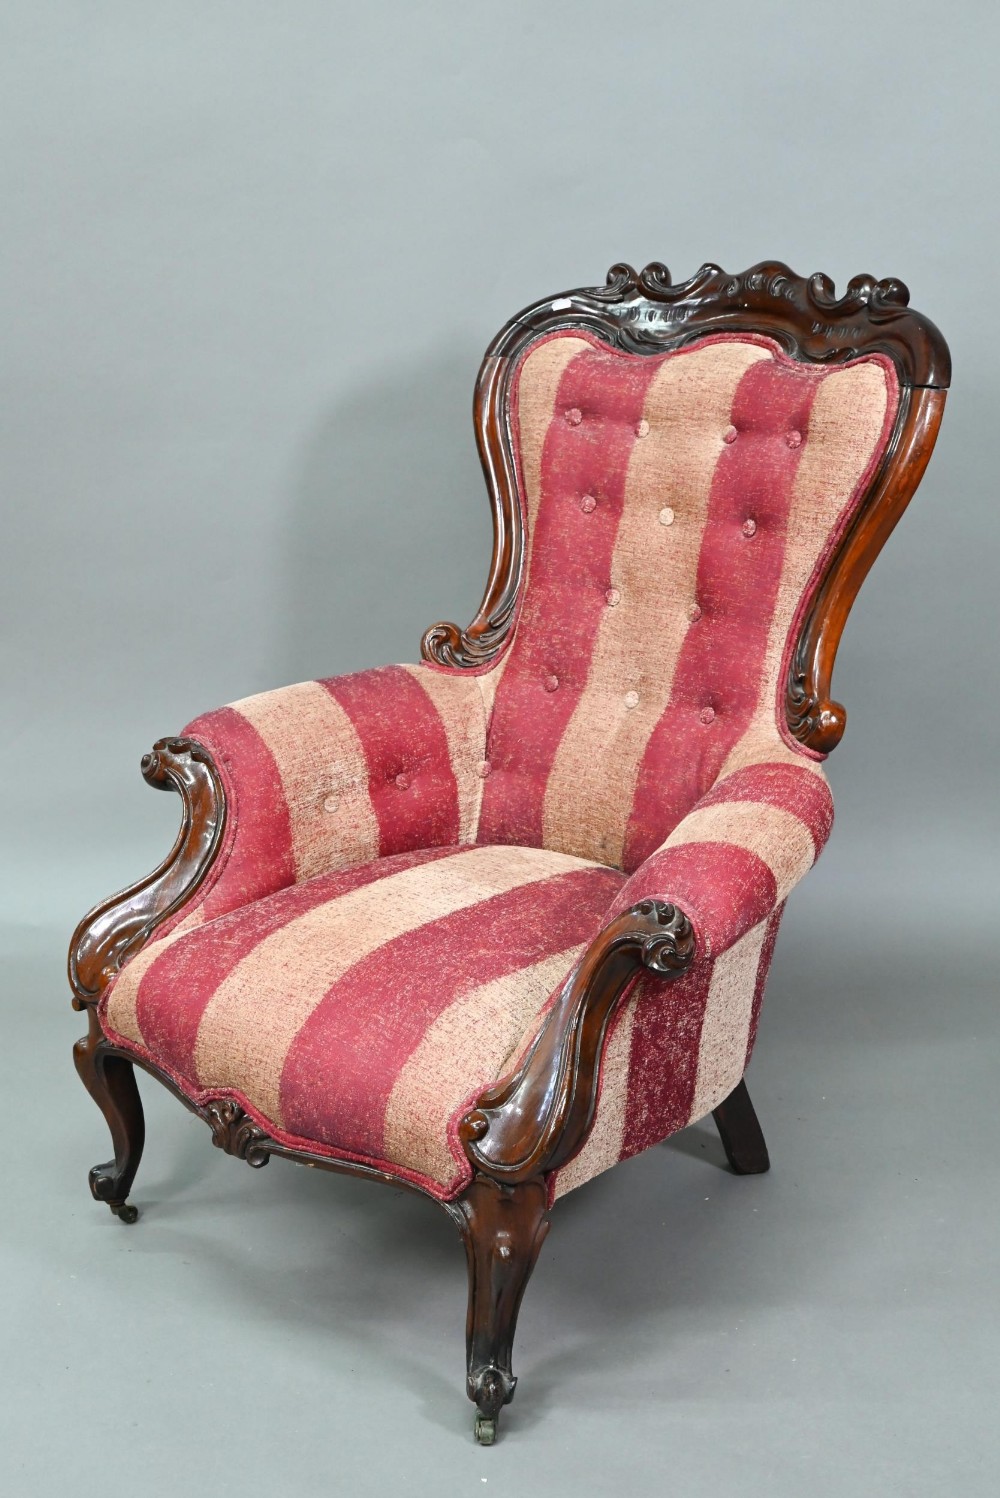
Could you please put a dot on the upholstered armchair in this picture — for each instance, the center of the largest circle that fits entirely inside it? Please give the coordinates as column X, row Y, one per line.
column 485, row 925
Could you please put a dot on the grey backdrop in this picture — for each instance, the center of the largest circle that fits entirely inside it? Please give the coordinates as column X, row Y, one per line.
column 251, row 257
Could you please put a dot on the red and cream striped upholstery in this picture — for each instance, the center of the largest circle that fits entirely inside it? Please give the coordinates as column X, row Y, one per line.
column 415, row 858
column 677, row 1050
column 676, row 510
column 362, row 1011
column 328, row 774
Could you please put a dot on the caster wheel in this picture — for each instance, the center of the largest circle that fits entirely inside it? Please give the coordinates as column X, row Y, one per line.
column 126, row 1212
column 486, row 1430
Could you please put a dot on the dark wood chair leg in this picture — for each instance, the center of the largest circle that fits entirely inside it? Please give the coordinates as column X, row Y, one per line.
column 741, row 1134
column 110, row 1080
column 503, row 1228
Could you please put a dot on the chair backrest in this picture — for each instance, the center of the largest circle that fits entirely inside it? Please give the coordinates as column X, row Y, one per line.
column 689, row 485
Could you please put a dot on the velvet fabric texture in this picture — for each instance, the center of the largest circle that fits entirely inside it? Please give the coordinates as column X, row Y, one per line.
column 415, row 858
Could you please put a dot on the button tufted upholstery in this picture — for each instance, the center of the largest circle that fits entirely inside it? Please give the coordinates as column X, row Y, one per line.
column 628, row 742
column 716, row 468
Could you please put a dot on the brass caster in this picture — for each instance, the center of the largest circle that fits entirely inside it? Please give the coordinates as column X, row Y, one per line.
column 486, row 1430
column 125, row 1212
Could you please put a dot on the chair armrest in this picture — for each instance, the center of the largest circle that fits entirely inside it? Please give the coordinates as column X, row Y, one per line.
column 328, row 774
column 536, row 1119
column 292, row 783
column 114, row 930
column 722, row 871
column 741, row 850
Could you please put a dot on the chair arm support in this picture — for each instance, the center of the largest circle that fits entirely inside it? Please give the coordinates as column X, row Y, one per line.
column 726, row 867
column 536, row 1119
column 292, row 783
column 115, row 930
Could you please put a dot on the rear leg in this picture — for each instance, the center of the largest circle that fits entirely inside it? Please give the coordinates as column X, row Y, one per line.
column 741, row 1134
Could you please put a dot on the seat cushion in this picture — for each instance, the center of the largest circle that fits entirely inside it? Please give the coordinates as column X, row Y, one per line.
column 361, row 1012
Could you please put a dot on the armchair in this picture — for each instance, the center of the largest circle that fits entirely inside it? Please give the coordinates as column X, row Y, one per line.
column 485, row 925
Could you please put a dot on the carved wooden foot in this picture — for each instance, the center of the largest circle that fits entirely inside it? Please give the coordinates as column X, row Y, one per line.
column 741, row 1134
column 110, row 1080
column 503, row 1228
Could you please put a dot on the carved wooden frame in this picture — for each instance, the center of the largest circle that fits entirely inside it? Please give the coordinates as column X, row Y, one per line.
column 642, row 312
column 520, row 1132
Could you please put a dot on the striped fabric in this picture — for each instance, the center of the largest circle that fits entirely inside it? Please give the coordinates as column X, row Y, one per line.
column 415, row 857
column 677, row 508
column 361, row 1012
column 678, row 1049
column 328, row 774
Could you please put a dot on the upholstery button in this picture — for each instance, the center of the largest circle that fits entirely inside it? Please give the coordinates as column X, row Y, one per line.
column 642, row 428
column 666, row 516
column 551, row 683
column 631, row 699
column 588, row 504
column 574, row 416
column 484, row 769
column 794, row 439
column 729, row 435
column 331, row 803
column 694, row 613
column 707, row 715
column 749, row 528
column 612, row 598
column 403, row 781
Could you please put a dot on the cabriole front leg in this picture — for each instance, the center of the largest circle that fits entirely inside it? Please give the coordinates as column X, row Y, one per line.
column 532, row 1123
column 503, row 1228
column 110, row 1079
column 116, row 929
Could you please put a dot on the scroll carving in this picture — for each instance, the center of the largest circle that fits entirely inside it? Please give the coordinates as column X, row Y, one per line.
column 536, row 1120
column 804, row 314
column 644, row 312
column 236, row 1133
column 813, row 717
column 446, row 644
column 114, row 930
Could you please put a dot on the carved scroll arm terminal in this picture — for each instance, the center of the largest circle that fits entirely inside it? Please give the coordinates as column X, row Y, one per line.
column 536, row 1119
column 114, row 930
